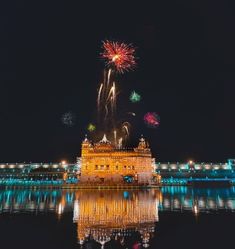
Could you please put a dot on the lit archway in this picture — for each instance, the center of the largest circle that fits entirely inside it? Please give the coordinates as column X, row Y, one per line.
column 128, row 178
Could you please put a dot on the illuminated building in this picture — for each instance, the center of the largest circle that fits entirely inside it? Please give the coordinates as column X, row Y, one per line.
column 62, row 174
column 103, row 163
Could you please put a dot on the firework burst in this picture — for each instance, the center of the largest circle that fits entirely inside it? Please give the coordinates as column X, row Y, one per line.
column 68, row 119
column 119, row 55
column 134, row 97
column 91, row 127
column 152, row 120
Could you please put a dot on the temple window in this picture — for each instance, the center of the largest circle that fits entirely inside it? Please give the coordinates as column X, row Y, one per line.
column 107, row 167
column 124, row 166
column 116, row 167
column 101, row 166
column 96, row 167
column 133, row 167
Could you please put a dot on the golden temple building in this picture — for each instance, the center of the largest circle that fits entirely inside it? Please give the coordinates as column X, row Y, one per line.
column 103, row 163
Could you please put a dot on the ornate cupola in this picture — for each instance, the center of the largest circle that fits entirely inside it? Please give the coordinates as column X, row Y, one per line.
column 86, row 145
column 104, row 144
column 104, row 140
column 86, row 142
column 143, row 144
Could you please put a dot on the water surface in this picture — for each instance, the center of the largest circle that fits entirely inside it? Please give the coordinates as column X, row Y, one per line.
column 170, row 217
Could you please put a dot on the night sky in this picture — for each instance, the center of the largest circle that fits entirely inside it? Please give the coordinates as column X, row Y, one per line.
column 50, row 64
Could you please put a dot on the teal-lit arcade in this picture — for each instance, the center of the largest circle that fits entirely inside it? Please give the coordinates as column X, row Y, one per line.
column 61, row 174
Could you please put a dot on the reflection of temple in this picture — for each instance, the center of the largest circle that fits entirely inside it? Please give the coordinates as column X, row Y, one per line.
column 103, row 214
column 103, row 163
column 170, row 198
column 107, row 212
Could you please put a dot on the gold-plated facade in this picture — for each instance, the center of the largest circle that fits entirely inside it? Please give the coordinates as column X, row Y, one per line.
column 103, row 163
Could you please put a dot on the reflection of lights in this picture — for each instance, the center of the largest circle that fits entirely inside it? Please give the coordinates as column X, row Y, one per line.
column 201, row 203
column 220, row 202
column 186, row 203
column 51, row 205
column 76, row 210
column 60, row 209
column 195, row 209
column 230, row 204
column 157, row 204
column 166, row 203
column 211, row 204
column 176, row 203
column 41, row 206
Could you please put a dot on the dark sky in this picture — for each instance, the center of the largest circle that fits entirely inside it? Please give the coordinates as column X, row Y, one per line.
column 49, row 65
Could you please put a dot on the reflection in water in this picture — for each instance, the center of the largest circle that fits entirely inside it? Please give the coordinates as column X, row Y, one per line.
column 106, row 214
column 197, row 199
column 36, row 201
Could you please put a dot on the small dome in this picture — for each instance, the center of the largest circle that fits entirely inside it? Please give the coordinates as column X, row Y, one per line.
column 104, row 140
column 104, row 144
column 85, row 139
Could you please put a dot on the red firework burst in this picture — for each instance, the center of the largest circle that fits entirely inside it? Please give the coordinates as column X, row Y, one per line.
column 119, row 55
column 152, row 120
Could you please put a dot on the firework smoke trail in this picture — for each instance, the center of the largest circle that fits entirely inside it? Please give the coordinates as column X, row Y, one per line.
column 104, row 94
column 99, row 94
column 113, row 103
column 115, row 137
column 126, row 128
column 120, row 143
column 106, row 111
column 106, row 102
column 132, row 114
column 111, row 92
column 112, row 97
column 109, row 74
